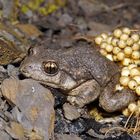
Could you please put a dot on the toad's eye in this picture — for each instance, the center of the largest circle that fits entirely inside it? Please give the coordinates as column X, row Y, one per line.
column 50, row 67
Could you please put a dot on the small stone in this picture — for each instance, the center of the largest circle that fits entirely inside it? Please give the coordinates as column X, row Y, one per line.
column 90, row 8
column 64, row 20
column 12, row 70
column 15, row 130
column 80, row 125
column 2, row 69
column 61, row 124
column 4, row 136
column 30, row 30
column 67, row 137
column 92, row 133
column 96, row 28
column 3, row 74
column 70, row 112
column 60, row 98
column 9, row 88
column 81, row 23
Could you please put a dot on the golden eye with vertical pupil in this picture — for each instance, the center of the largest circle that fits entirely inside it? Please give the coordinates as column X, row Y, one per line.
column 50, row 67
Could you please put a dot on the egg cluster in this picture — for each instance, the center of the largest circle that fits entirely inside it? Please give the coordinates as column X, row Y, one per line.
column 133, row 108
column 123, row 46
column 130, row 77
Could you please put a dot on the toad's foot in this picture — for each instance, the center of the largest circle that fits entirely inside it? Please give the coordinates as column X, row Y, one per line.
column 85, row 93
column 111, row 100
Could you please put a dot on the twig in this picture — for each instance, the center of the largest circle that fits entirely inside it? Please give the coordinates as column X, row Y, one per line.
column 128, row 119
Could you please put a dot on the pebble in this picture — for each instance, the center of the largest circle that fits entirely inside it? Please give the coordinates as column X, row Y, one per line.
column 67, row 137
column 3, row 73
column 90, row 8
column 12, row 70
column 97, row 28
column 61, row 124
column 70, row 112
column 4, row 136
column 15, row 130
column 59, row 97
column 64, row 20
column 79, row 126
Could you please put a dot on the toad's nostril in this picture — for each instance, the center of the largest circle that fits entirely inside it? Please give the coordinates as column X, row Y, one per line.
column 23, row 69
column 26, row 69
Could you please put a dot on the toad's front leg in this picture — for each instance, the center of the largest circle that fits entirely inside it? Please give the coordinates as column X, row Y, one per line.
column 85, row 93
column 111, row 100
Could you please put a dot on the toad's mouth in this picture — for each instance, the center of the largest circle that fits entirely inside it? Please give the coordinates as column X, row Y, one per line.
column 61, row 87
column 62, row 81
column 64, row 87
column 26, row 74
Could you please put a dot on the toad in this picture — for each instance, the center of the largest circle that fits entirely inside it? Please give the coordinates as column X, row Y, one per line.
column 79, row 70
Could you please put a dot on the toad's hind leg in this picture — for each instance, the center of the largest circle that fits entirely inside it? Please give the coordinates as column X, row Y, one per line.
column 111, row 100
column 84, row 94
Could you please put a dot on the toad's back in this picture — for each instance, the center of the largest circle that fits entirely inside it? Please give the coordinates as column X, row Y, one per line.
column 87, row 60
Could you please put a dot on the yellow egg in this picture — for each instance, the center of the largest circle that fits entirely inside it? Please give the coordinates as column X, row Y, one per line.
column 137, row 79
column 117, row 33
column 109, row 39
column 125, row 68
column 138, row 110
column 132, row 84
column 135, row 47
column 138, row 102
column 114, row 42
column 134, row 72
column 115, row 58
column 109, row 48
column 121, row 44
column 103, row 52
column 125, row 72
column 137, row 62
column 132, row 107
column 138, row 90
column 126, row 30
column 126, row 112
column 135, row 37
column 109, row 56
column 126, row 61
column 118, row 87
column 124, row 80
column 135, row 54
column 104, row 36
column 116, row 50
column 124, row 37
column 103, row 45
column 120, row 56
column 129, row 41
column 132, row 66
column 127, row 51
column 98, row 40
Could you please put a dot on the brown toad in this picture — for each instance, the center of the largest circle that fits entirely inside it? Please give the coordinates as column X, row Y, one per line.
column 81, row 71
